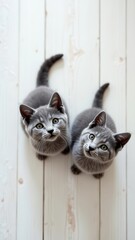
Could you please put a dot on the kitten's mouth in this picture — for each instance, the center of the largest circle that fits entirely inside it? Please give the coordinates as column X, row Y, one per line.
column 87, row 154
column 52, row 138
column 94, row 156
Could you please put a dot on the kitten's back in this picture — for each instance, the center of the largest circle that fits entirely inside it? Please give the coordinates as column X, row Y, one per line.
column 42, row 94
column 38, row 97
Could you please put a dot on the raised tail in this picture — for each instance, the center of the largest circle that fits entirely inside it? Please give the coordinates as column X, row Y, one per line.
column 42, row 77
column 98, row 99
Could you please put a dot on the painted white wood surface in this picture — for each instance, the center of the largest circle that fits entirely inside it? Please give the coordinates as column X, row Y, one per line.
column 65, row 193
column 113, row 69
column 8, row 117
column 130, row 119
column 30, row 171
column 45, row 201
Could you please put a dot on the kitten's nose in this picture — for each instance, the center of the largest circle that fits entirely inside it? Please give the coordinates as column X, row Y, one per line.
column 91, row 149
column 50, row 131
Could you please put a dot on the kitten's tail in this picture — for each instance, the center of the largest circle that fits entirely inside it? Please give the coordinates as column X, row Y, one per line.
column 42, row 77
column 98, row 99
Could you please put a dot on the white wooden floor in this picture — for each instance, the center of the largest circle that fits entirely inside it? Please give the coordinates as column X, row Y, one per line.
column 44, row 201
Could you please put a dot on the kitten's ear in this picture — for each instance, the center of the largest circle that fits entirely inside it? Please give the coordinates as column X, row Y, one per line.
column 122, row 139
column 99, row 120
column 26, row 111
column 56, row 102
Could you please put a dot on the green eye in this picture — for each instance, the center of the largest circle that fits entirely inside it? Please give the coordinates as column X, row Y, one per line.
column 104, row 147
column 91, row 136
column 55, row 120
column 39, row 126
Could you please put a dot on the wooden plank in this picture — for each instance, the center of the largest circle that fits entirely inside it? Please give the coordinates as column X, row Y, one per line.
column 130, row 119
column 30, row 170
column 72, row 203
column 113, row 67
column 8, row 117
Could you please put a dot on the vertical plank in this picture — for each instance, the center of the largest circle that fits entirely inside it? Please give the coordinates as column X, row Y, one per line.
column 72, row 203
column 8, row 116
column 130, row 118
column 113, row 67
column 30, row 170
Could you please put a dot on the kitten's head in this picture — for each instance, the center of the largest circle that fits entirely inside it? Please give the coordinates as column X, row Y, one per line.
column 46, row 123
column 99, row 142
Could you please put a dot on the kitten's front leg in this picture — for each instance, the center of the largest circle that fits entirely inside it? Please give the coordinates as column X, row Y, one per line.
column 75, row 170
column 41, row 157
column 66, row 150
column 98, row 175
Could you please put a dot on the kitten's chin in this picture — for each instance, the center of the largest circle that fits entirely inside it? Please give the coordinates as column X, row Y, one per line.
column 96, row 159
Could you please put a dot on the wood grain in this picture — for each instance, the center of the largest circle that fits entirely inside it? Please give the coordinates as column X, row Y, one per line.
column 113, row 70
column 8, row 117
column 30, row 170
column 130, row 119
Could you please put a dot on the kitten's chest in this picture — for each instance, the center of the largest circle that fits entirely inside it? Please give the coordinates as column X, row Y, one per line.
column 49, row 148
column 90, row 166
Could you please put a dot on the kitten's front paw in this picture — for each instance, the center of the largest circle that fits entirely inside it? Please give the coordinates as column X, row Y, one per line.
column 75, row 170
column 41, row 157
column 98, row 175
column 66, row 150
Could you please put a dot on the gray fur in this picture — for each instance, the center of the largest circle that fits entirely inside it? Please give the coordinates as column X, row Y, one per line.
column 95, row 142
column 42, row 77
column 98, row 99
column 45, row 116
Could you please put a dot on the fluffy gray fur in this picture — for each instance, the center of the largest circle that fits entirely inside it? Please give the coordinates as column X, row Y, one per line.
column 95, row 142
column 45, row 116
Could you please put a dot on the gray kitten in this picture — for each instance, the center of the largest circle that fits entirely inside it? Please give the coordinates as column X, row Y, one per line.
column 95, row 142
column 45, row 116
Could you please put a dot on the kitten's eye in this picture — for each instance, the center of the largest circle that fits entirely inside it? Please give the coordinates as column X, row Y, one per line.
column 104, row 147
column 39, row 126
column 55, row 120
column 91, row 136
